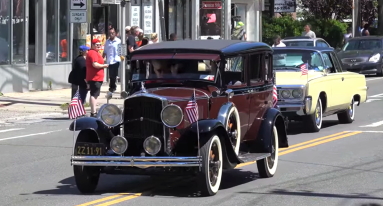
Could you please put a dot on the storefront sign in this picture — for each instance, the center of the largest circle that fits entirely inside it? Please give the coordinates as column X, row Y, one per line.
column 212, row 5
column 284, row 6
column 101, row 37
column 135, row 16
column 148, row 16
column 78, row 17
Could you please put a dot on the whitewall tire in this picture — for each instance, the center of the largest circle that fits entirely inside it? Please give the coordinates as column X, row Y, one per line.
column 211, row 172
column 234, row 133
column 268, row 167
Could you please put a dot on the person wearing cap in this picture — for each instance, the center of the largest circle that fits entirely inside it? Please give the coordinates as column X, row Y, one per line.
column 111, row 48
column 77, row 76
column 127, row 30
column 95, row 74
column 239, row 32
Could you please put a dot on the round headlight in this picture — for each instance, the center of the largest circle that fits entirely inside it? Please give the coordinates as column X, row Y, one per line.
column 172, row 115
column 118, row 144
column 110, row 114
column 152, row 145
column 285, row 94
column 297, row 93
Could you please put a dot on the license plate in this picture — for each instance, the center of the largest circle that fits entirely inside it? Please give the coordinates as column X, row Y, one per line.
column 90, row 149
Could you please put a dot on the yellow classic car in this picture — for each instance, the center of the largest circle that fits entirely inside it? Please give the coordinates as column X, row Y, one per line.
column 311, row 85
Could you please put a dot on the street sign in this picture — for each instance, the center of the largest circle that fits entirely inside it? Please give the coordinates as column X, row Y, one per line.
column 78, row 4
column 78, row 16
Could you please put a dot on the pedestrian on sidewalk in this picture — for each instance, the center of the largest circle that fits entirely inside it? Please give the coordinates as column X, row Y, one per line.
column 366, row 31
column 308, row 32
column 77, row 76
column 112, row 58
column 277, row 42
column 95, row 74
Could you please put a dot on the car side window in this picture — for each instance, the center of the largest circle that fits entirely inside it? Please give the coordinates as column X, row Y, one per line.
column 234, row 71
column 255, row 68
column 335, row 60
column 328, row 62
column 321, row 44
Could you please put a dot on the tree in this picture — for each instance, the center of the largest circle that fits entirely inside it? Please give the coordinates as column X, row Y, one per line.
column 324, row 9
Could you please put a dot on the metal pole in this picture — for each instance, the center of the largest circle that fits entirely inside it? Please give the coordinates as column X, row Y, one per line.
column 123, row 46
column 162, row 20
column 353, row 18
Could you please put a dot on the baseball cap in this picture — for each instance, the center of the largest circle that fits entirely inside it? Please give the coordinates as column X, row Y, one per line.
column 95, row 41
column 127, row 28
column 240, row 23
column 83, row 48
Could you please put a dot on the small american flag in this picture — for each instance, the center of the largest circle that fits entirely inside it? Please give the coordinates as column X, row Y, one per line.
column 192, row 109
column 76, row 108
column 275, row 96
column 304, row 69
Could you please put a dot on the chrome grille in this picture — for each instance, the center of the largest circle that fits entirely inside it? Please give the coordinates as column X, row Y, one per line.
column 353, row 60
column 142, row 117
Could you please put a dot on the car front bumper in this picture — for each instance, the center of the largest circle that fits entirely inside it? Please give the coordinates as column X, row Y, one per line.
column 122, row 161
column 363, row 68
column 297, row 108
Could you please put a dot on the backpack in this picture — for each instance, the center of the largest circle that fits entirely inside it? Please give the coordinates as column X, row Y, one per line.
column 237, row 33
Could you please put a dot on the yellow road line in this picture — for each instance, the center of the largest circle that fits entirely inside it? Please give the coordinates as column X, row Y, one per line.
column 291, row 149
column 103, row 199
column 132, row 196
column 318, row 143
column 296, row 146
column 314, row 140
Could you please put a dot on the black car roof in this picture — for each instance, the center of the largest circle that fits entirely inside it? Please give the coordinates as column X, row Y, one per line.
column 306, row 48
column 366, row 37
column 218, row 46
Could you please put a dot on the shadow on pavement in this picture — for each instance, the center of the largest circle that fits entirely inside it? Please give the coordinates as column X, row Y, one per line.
column 317, row 194
column 298, row 128
column 189, row 187
column 180, row 186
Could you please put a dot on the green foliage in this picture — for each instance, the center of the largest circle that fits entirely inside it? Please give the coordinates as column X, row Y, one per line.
column 284, row 26
column 330, row 30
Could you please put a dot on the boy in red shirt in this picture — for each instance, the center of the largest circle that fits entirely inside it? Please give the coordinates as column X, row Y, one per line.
column 95, row 73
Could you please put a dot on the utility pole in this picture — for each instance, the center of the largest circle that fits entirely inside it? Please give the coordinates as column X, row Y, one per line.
column 123, row 47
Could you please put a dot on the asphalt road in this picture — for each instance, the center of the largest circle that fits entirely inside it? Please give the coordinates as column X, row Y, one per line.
column 343, row 167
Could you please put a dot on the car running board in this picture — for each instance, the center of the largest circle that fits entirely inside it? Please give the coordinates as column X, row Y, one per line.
column 251, row 157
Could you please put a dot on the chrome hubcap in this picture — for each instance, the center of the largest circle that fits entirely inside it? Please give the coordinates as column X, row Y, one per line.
column 214, row 164
column 318, row 113
column 351, row 109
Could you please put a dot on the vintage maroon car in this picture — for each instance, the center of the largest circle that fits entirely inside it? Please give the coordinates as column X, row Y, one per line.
column 195, row 107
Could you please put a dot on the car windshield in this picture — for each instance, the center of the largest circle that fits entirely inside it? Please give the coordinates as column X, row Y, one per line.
column 365, row 44
column 175, row 69
column 298, row 43
column 293, row 59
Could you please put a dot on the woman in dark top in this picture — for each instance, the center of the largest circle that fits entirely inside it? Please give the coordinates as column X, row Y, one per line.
column 78, row 74
column 145, row 41
column 365, row 31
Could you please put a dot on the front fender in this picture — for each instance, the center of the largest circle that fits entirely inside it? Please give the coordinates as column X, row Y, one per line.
column 91, row 123
column 187, row 143
column 272, row 117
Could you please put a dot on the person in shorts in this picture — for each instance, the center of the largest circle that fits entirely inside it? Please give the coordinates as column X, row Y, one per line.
column 95, row 74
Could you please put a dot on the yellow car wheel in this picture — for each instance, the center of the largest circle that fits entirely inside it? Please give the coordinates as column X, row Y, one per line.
column 313, row 122
column 347, row 116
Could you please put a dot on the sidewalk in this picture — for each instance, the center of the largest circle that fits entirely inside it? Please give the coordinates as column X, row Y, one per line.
column 46, row 103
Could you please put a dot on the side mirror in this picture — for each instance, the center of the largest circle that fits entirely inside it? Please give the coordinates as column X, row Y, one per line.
column 229, row 93
column 326, row 70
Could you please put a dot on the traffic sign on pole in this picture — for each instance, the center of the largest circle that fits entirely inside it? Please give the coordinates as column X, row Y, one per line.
column 78, row 4
column 78, row 17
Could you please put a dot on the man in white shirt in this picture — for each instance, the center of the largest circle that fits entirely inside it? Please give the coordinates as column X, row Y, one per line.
column 111, row 51
column 308, row 32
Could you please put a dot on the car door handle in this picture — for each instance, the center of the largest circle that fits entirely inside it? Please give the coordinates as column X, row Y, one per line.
column 342, row 78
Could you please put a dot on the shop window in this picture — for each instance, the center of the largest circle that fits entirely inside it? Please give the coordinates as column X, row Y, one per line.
column 211, row 18
column 178, row 18
column 5, row 41
column 18, row 23
column 57, row 25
